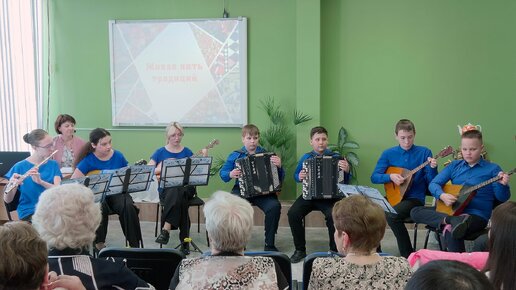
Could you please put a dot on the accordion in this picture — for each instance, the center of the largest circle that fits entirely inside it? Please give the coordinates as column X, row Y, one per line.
column 322, row 176
column 259, row 175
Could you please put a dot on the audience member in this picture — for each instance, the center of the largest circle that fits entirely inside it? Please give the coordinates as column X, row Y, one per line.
column 445, row 274
column 24, row 261
column 229, row 220
column 66, row 218
column 501, row 263
column 359, row 228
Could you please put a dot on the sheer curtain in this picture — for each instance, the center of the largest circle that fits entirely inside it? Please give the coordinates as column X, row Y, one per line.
column 20, row 71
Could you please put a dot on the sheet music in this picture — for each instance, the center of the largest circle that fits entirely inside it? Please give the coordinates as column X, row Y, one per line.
column 173, row 172
column 139, row 179
column 372, row 193
column 98, row 183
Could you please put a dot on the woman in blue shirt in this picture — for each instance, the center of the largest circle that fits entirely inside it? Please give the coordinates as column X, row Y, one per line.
column 174, row 200
column 98, row 155
column 39, row 177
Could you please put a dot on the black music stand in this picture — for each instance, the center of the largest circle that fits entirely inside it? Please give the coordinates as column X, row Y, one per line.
column 190, row 171
column 370, row 192
column 98, row 183
column 127, row 180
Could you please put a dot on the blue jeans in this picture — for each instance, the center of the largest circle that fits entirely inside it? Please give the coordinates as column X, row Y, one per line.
column 271, row 207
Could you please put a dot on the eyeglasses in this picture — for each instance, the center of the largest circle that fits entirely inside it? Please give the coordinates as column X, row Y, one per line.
column 48, row 146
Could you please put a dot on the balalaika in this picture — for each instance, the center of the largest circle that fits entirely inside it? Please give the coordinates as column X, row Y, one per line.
column 259, row 176
column 322, row 176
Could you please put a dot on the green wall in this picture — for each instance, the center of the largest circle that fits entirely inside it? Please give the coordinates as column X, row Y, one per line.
column 438, row 63
column 358, row 64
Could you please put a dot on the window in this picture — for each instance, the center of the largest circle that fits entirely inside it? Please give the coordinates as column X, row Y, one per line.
column 20, row 71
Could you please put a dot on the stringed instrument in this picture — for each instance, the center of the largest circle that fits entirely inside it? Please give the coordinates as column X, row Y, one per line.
column 464, row 195
column 394, row 192
column 209, row 146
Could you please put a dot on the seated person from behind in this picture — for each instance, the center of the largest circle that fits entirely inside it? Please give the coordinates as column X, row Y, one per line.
column 24, row 261
column 98, row 155
column 268, row 203
column 501, row 262
column 359, row 228
column 471, row 171
column 66, row 217
column 302, row 207
column 445, row 274
column 229, row 221
column 406, row 155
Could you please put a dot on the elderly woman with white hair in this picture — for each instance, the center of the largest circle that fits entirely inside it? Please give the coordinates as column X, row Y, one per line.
column 66, row 218
column 229, row 221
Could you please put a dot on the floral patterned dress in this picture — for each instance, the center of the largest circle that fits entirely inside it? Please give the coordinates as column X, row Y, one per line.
column 337, row 273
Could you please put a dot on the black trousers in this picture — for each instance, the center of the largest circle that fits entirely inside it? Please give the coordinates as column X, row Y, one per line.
column 428, row 215
column 397, row 225
column 122, row 205
column 175, row 209
column 300, row 209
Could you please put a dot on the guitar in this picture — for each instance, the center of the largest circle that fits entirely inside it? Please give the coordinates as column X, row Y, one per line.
column 97, row 171
column 395, row 193
column 464, row 195
column 209, row 146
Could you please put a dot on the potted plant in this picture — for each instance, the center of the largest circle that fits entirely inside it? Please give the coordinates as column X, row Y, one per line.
column 343, row 147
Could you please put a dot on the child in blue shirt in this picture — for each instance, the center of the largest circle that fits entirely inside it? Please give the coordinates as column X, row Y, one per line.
column 408, row 156
column 269, row 203
column 470, row 171
column 302, row 207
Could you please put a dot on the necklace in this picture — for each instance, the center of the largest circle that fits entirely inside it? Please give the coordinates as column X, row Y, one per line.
column 361, row 254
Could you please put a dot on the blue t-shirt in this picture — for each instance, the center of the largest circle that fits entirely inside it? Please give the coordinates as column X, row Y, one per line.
column 163, row 154
column 30, row 191
column 408, row 159
column 91, row 162
column 460, row 173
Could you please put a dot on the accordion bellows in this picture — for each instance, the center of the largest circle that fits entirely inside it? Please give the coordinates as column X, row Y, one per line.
column 322, row 176
column 259, row 175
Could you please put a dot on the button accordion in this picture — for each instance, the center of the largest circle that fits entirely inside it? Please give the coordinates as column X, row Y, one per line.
column 322, row 176
column 259, row 176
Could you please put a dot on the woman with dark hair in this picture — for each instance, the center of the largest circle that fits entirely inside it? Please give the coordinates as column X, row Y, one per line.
column 66, row 142
column 445, row 274
column 501, row 263
column 38, row 176
column 99, row 155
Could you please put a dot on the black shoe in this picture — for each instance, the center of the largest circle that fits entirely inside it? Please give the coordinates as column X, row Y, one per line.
column 460, row 226
column 270, row 248
column 297, row 257
column 185, row 248
column 163, row 237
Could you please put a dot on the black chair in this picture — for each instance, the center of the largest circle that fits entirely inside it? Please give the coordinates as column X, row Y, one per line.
column 281, row 259
column 307, row 266
column 438, row 233
column 13, row 205
column 410, row 221
column 155, row 266
column 194, row 201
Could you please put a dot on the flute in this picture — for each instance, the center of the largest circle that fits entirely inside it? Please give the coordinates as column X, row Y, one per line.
column 15, row 182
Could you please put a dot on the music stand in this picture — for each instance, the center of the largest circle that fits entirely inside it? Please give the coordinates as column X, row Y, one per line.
column 98, row 183
column 190, row 171
column 371, row 193
column 130, row 179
